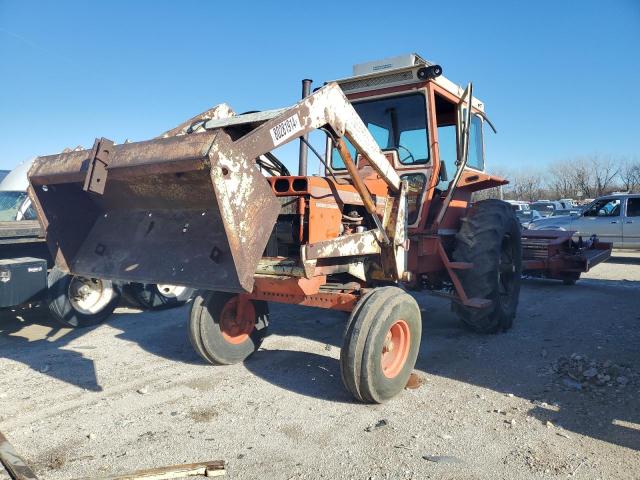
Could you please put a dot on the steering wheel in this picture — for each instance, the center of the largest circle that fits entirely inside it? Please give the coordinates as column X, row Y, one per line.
column 402, row 160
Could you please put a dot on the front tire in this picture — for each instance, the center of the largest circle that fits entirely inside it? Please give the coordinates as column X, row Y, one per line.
column 490, row 239
column 381, row 344
column 224, row 328
column 78, row 302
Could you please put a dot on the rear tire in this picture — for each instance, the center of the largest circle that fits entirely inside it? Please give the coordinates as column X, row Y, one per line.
column 490, row 239
column 151, row 296
column 381, row 344
column 78, row 302
column 225, row 328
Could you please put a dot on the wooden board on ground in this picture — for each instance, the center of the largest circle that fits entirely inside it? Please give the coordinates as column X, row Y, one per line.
column 208, row 469
column 13, row 463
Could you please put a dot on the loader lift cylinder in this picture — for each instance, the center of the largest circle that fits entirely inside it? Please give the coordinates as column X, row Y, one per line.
column 304, row 150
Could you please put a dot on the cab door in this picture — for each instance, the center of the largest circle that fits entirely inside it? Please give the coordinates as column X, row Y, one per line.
column 604, row 219
column 631, row 224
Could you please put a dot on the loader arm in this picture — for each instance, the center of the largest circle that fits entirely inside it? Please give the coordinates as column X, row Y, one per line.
column 328, row 106
column 193, row 209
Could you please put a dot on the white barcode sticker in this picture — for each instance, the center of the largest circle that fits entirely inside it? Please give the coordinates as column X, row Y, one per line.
column 285, row 129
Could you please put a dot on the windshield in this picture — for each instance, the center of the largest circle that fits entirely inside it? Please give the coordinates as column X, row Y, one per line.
column 10, row 203
column 395, row 123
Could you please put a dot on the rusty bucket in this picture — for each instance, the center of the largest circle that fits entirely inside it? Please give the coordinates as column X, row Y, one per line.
column 183, row 210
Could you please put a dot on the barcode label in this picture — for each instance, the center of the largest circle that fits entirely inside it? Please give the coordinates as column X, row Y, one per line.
column 285, row 129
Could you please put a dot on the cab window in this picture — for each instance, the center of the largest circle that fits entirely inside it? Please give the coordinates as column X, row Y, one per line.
column 395, row 123
column 607, row 207
column 633, row 207
column 416, row 183
column 476, row 147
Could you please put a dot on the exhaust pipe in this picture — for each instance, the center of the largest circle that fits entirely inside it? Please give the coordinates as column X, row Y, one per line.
column 304, row 150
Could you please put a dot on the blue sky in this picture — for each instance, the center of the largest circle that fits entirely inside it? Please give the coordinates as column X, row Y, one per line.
column 559, row 78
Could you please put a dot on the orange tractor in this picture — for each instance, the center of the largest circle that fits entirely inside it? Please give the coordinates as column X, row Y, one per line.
column 209, row 205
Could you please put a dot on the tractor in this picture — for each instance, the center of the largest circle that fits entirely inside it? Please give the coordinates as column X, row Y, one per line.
column 209, row 205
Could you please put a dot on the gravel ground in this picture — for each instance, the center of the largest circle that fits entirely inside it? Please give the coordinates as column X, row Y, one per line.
column 132, row 394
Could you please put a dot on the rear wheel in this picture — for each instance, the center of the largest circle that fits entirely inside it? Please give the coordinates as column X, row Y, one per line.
column 490, row 239
column 78, row 302
column 225, row 328
column 381, row 345
column 159, row 296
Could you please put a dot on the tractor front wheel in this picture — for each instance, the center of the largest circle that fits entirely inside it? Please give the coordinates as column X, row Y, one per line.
column 381, row 344
column 225, row 328
column 490, row 239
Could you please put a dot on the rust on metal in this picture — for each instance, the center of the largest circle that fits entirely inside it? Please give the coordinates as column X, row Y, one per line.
column 193, row 209
column 356, row 244
column 553, row 253
column 280, row 266
column 176, row 210
column 355, row 176
column 196, row 123
column 302, row 291
column 99, row 159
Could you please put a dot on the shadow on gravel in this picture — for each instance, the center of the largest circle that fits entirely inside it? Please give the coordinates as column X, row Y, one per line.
column 304, row 373
column 163, row 333
column 32, row 338
column 621, row 260
column 596, row 318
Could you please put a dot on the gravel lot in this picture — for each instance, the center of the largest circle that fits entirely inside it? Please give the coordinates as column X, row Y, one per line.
column 132, row 394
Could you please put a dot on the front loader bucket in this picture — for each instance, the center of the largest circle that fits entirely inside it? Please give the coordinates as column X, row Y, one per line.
column 179, row 210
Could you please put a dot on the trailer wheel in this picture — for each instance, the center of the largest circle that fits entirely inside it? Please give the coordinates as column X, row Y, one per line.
column 381, row 344
column 78, row 302
column 490, row 239
column 153, row 296
column 225, row 328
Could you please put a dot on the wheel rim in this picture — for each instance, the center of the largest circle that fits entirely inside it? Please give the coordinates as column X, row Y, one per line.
column 395, row 349
column 506, row 269
column 237, row 320
column 89, row 296
column 171, row 291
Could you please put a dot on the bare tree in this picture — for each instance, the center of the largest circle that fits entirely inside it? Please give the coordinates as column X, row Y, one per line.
column 526, row 185
column 561, row 180
column 582, row 177
column 604, row 171
column 630, row 174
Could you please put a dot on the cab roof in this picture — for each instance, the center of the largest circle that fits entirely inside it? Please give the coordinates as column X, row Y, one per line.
column 394, row 71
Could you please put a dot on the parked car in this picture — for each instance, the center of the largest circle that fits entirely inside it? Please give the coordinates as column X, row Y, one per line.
column 525, row 217
column 567, row 211
column 568, row 202
column 546, row 207
column 28, row 275
column 519, row 206
column 613, row 218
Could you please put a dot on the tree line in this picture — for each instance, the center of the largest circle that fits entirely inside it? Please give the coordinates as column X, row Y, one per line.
column 578, row 178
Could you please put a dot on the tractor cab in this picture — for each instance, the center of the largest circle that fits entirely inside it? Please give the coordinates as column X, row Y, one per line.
column 417, row 117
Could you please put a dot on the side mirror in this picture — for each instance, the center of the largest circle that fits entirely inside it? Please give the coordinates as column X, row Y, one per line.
column 444, row 177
